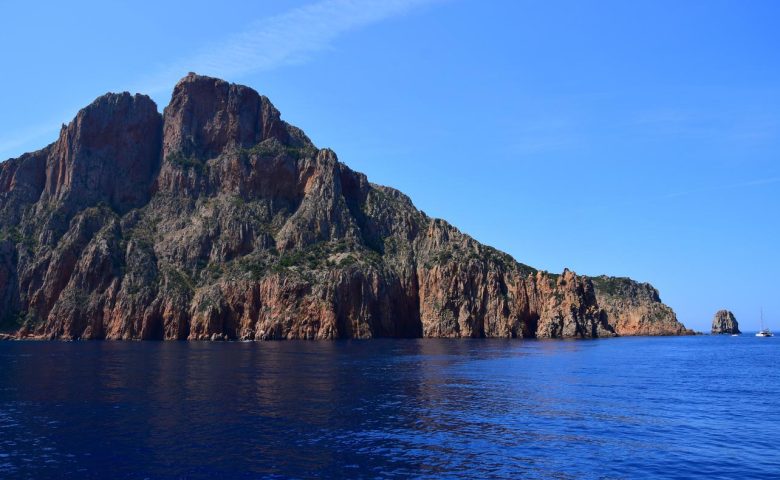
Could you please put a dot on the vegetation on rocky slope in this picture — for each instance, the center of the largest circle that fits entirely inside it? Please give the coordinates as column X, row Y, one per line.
column 219, row 220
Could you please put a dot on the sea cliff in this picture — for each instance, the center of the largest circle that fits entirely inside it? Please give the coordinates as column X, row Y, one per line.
column 218, row 220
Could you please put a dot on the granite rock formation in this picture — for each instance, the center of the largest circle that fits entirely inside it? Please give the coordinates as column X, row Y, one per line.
column 634, row 308
column 218, row 220
column 724, row 322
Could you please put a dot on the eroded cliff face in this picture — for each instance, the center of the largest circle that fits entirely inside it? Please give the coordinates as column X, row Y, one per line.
column 218, row 220
column 634, row 308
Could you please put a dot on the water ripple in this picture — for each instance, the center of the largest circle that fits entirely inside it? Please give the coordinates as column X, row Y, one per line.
column 693, row 407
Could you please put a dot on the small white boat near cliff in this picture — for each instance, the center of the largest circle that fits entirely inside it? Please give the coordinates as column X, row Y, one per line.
column 764, row 332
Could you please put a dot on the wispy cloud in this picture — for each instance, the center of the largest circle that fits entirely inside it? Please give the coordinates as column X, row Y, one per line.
column 20, row 138
column 288, row 38
column 731, row 186
column 545, row 133
column 740, row 125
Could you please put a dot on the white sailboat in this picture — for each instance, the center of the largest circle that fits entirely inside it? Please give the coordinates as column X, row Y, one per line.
column 764, row 332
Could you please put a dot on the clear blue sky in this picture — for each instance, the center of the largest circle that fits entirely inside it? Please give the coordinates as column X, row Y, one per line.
column 635, row 138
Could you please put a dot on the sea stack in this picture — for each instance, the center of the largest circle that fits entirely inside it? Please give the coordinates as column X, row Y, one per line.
column 724, row 322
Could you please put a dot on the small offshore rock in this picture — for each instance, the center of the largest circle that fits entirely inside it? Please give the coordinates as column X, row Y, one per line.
column 724, row 322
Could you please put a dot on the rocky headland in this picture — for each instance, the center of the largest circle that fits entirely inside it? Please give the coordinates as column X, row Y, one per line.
column 724, row 322
column 218, row 220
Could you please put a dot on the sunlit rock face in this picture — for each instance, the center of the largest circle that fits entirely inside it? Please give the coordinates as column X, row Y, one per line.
column 218, row 220
column 724, row 322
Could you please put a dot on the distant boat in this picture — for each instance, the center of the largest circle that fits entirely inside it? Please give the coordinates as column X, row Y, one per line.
column 764, row 332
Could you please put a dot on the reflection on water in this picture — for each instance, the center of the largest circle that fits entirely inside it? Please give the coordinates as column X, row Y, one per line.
column 701, row 407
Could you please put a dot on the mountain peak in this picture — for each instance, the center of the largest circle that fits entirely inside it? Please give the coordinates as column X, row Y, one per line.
column 107, row 153
column 206, row 115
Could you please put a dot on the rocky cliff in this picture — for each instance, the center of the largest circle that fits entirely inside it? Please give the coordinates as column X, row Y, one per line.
column 634, row 308
column 724, row 322
column 218, row 220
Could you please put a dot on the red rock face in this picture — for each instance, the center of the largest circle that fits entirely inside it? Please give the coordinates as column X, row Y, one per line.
column 224, row 222
column 109, row 154
column 207, row 116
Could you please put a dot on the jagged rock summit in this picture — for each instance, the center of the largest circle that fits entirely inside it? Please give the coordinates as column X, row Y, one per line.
column 724, row 322
column 218, row 220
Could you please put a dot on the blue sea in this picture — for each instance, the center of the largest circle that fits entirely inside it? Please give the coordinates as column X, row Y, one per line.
column 674, row 407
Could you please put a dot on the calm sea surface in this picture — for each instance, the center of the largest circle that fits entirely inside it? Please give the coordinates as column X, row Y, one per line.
column 687, row 407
